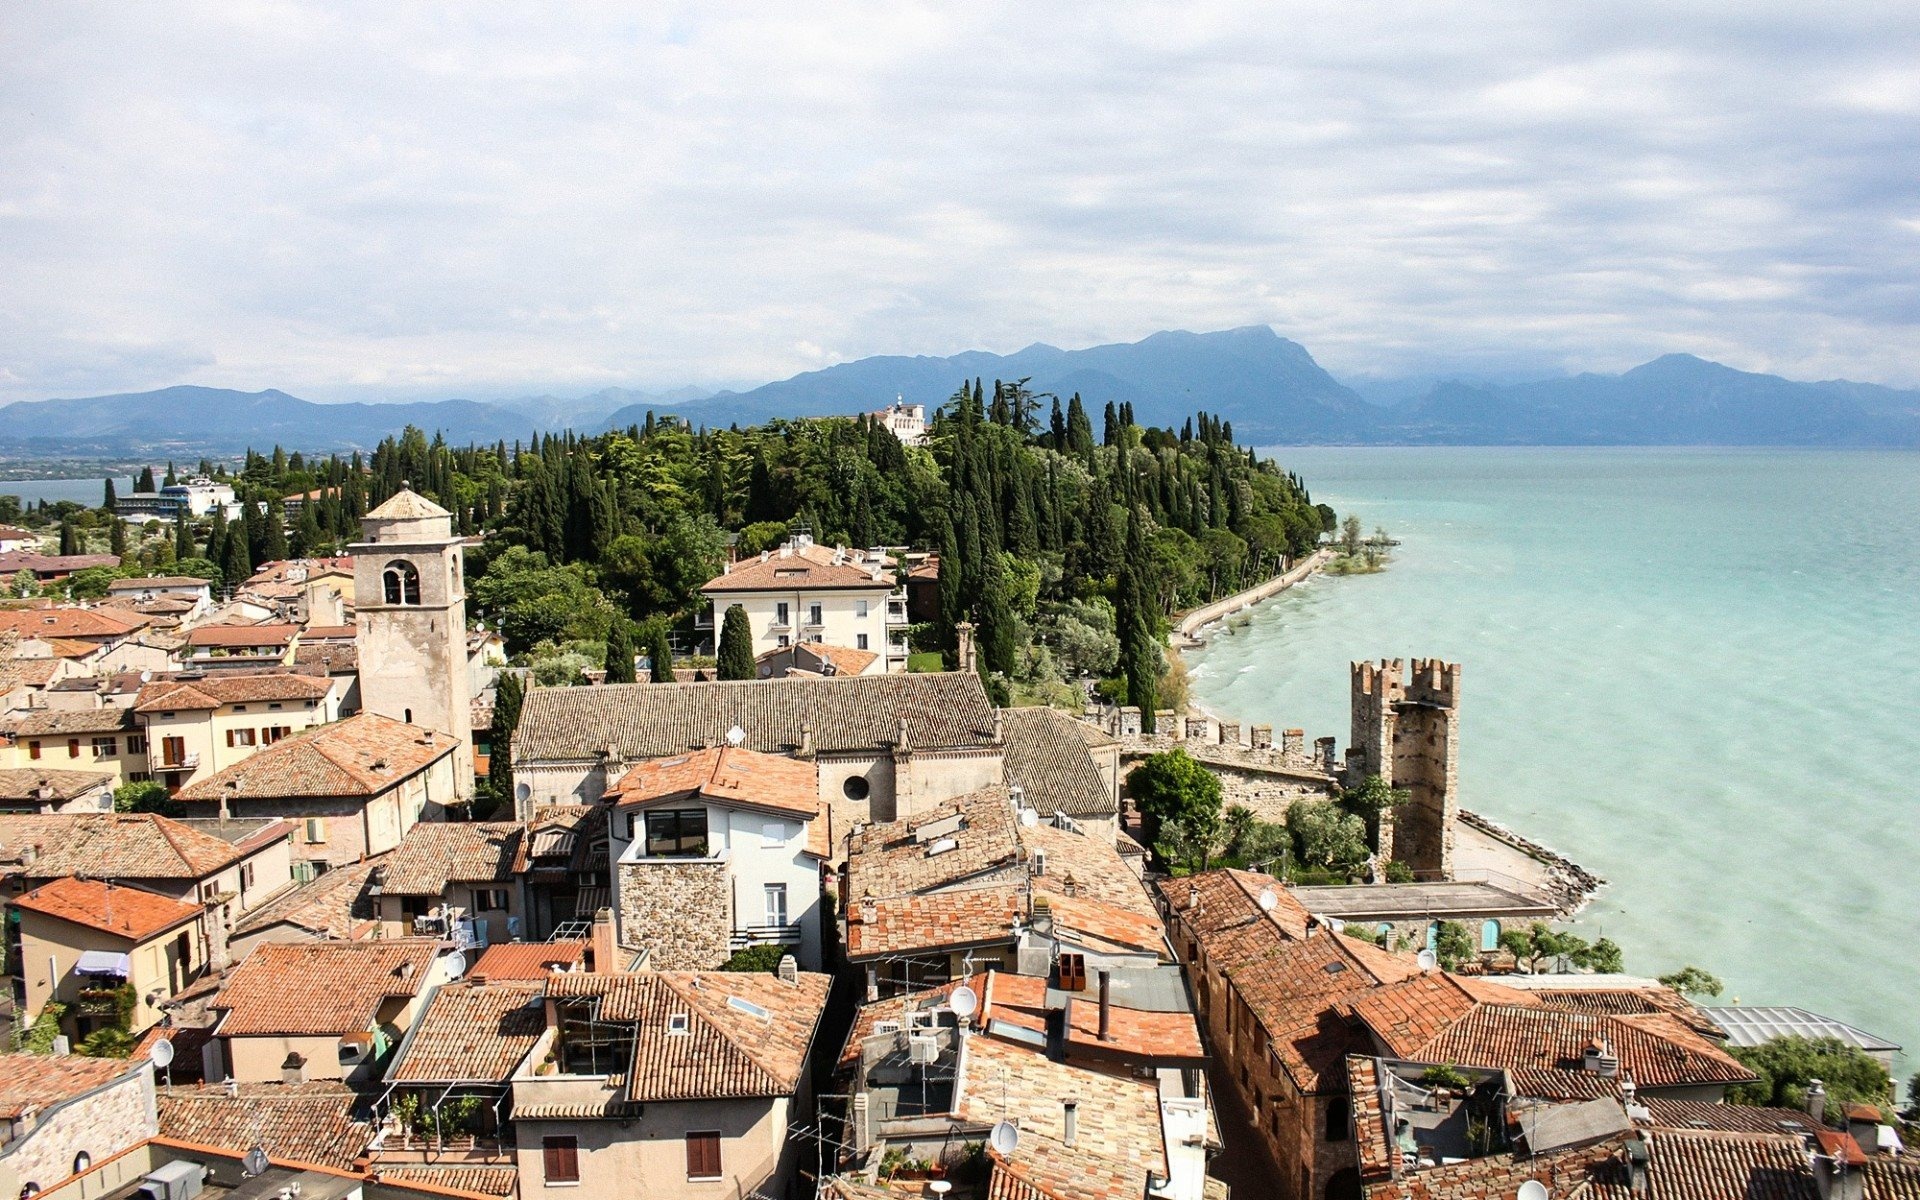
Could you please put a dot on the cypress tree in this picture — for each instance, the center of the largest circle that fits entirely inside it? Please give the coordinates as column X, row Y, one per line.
column 182, row 536
column 660, row 654
column 69, row 537
column 736, row 645
column 172, row 476
column 273, row 540
column 1135, row 623
column 235, row 566
column 508, row 694
column 997, row 640
column 1057, row 429
column 117, row 538
column 143, row 482
column 953, row 606
column 1111, row 428
column 1079, row 431
column 107, row 501
column 620, row 654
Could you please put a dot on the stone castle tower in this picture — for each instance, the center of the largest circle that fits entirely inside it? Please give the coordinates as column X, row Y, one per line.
column 412, row 617
column 1407, row 731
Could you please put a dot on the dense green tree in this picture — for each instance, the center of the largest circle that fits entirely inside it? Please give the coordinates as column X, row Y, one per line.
column 1327, row 837
column 116, row 537
column 147, row 796
column 1692, row 981
column 143, row 482
column 69, row 537
column 1787, row 1065
column 620, row 653
column 236, row 562
column 1453, row 945
column 659, row 654
column 1138, row 624
column 531, row 601
column 508, row 694
column 1173, row 786
column 736, row 645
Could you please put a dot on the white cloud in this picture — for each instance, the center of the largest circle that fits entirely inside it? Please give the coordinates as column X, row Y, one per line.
column 375, row 200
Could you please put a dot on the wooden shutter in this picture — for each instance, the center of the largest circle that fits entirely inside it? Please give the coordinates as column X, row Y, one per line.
column 703, row 1156
column 229, row 739
column 560, row 1159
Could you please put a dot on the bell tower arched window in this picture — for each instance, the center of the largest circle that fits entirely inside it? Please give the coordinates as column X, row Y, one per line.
column 401, row 582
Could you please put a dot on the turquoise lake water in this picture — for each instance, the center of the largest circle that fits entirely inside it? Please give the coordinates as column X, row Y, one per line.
column 1695, row 672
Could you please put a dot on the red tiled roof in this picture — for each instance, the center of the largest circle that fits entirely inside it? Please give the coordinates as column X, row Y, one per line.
column 728, row 775
column 1657, row 1050
column 936, row 921
column 364, row 755
column 242, row 635
column 729, row 1050
column 87, row 623
column 309, row 1122
column 805, row 568
column 124, row 912
column 435, row 853
column 320, row 988
column 473, row 1179
column 472, row 1031
column 215, row 691
column 529, row 960
column 119, row 845
column 38, row 1080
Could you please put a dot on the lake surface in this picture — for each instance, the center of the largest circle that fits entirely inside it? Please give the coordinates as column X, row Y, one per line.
column 83, row 491
column 1695, row 672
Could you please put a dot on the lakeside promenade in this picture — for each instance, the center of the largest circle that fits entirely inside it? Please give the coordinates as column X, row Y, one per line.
column 1186, row 631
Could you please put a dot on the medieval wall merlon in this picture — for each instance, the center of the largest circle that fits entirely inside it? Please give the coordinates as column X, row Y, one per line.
column 1434, row 681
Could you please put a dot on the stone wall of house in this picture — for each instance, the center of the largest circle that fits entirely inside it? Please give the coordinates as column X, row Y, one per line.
column 99, row 1124
column 681, row 912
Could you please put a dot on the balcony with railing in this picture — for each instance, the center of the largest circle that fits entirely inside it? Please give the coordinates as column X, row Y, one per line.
column 184, row 761
column 748, row 936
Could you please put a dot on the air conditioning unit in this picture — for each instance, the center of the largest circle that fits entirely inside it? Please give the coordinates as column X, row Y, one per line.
column 923, row 1048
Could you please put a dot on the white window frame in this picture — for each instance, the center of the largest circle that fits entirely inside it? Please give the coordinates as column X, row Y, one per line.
column 769, row 894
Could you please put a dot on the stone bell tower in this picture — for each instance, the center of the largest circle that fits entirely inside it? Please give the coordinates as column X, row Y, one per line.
column 411, row 601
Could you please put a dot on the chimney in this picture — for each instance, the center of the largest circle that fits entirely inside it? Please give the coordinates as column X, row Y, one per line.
column 294, row 1069
column 963, row 633
column 1815, row 1101
column 1863, row 1125
column 1070, row 1110
column 1193, row 897
column 789, row 969
column 602, row 946
column 1601, row 1060
column 1106, row 1006
column 1639, row 1161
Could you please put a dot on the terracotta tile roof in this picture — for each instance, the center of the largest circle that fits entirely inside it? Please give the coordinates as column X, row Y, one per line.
column 329, row 633
column 48, row 564
column 215, row 691
column 364, row 755
column 436, row 853
column 55, row 722
column 1712, row 1165
column 40, row 783
column 1629, row 1001
column 460, row 1177
column 1117, row 925
column 1132, row 1033
column 149, row 582
column 1087, row 863
column 728, row 775
column 28, row 672
column 242, row 635
column 1119, row 1138
column 885, row 859
column 338, row 658
column 407, row 505
column 472, row 1031
column 121, row 911
column 320, row 988
column 38, row 1080
column 1406, row 1016
column 1658, row 1050
column 308, row 1122
column 730, row 1050
column 529, row 960
column 280, row 569
column 893, row 1008
column 336, row 905
column 844, row 713
column 939, row 921
column 1049, row 758
column 805, row 568
column 93, row 624
column 68, row 647
column 1736, row 1118
column 845, row 660
column 115, row 845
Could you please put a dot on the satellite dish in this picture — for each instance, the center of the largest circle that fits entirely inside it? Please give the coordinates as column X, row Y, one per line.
column 964, row 1002
column 1029, row 818
column 1004, row 1139
column 161, row 1053
column 1532, row 1189
column 1428, row 960
column 456, row 965
column 736, row 735
column 255, row 1162
column 1268, row 901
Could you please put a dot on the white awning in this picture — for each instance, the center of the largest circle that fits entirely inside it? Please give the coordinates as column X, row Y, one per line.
column 101, row 962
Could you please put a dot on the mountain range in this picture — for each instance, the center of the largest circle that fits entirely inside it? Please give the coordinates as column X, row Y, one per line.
column 1270, row 388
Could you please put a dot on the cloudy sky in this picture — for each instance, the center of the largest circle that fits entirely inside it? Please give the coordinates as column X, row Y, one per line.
column 395, row 200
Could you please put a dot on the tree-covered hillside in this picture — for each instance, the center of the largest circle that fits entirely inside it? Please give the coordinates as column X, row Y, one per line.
column 1066, row 546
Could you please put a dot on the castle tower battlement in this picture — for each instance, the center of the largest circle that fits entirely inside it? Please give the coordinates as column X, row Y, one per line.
column 1406, row 731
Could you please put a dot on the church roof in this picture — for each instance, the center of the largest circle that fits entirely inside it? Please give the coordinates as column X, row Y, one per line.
column 405, row 505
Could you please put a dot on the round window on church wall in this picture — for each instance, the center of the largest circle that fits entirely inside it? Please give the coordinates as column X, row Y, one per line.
column 855, row 787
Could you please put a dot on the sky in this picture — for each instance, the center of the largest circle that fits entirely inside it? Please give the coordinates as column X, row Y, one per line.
column 407, row 201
